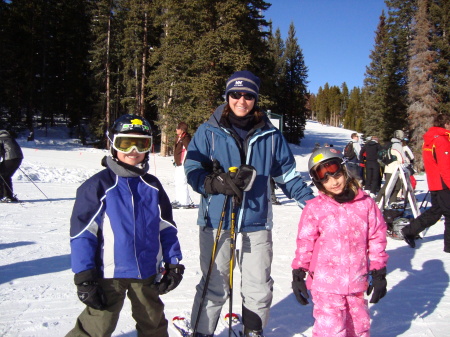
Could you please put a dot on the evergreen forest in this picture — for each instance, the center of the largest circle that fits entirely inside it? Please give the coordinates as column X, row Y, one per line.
column 86, row 62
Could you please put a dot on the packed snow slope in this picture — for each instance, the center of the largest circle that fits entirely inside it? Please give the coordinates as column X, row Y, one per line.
column 38, row 297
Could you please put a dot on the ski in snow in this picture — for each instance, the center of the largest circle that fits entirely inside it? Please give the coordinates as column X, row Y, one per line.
column 236, row 324
column 182, row 325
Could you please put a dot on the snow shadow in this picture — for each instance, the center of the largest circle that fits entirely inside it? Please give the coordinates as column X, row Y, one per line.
column 415, row 297
column 285, row 313
column 47, row 200
column 16, row 244
column 34, row 267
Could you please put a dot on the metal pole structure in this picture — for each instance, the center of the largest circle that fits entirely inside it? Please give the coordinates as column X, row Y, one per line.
column 26, row 175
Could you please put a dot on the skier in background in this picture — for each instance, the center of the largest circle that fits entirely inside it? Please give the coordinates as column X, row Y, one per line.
column 11, row 157
column 373, row 173
column 436, row 158
column 397, row 151
column 179, row 155
column 352, row 157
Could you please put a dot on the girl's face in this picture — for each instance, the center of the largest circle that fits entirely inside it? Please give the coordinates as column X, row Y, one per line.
column 241, row 106
column 336, row 184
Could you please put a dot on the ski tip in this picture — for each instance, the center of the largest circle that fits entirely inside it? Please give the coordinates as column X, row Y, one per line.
column 233, row 315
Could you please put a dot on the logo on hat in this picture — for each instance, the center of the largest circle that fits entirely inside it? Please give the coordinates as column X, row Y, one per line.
column 238, row 83
column 136, row 121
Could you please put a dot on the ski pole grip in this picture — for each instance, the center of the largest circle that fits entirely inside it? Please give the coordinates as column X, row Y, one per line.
column 233, row 170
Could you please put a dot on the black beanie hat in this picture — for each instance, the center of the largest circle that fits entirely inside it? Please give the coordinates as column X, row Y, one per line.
column 243, row 81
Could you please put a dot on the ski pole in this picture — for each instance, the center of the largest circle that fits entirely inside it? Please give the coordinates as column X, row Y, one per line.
column 26, row 175
column 211, row 264
column 232, row 253
column 425, row 199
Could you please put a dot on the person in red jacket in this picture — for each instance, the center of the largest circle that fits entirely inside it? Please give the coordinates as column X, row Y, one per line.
column 436, row 158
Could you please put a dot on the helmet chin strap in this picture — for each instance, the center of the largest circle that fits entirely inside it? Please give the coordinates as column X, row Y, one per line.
column 135, row 169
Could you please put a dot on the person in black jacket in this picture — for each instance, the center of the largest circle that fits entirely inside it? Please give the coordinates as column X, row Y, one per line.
column 11, row 157
column 373, row 173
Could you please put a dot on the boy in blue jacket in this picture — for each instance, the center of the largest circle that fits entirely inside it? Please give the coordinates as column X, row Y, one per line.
column 120, row 230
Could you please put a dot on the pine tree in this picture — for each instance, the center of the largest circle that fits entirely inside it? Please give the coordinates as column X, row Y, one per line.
column 105, row 65
column 422, row 97
column 374, row 104
column 274, row 87
column 439, row 17
column 294, row 93
column 354, row 114
column 204, row 42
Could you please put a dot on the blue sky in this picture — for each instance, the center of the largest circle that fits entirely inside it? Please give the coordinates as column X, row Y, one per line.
column 336, row 36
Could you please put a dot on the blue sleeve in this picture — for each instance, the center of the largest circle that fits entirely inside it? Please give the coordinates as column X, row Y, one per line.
column 84, row 226
column 285, row 175
column 169, row 242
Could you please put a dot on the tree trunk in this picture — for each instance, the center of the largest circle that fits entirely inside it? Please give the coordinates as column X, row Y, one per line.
column 144, row 63
column 108, row 79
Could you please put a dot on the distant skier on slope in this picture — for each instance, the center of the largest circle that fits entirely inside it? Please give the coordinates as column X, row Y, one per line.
column 11, row 157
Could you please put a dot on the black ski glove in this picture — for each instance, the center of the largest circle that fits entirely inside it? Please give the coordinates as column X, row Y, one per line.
column 88, row 290
column 172, row 277
column 299, row 286
column 230, row 183
column 378, row 284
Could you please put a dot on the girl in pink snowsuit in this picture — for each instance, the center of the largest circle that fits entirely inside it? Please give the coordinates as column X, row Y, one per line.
column 341, row 245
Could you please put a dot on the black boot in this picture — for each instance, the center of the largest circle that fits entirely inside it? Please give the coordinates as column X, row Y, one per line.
column 253, row 333
column 198, row 334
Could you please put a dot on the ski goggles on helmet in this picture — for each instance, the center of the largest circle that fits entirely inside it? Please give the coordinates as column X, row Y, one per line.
column 128, row 142
column 330, row 168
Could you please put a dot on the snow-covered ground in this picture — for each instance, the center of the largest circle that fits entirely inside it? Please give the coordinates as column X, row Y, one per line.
column 37, row 294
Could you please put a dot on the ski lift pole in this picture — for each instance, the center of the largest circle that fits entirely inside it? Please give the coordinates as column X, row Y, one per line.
column 26, row 175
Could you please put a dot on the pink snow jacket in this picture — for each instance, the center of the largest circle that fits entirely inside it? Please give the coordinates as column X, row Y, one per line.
column 338, row 244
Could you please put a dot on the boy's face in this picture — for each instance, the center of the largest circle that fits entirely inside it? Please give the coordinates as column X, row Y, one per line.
column 132, row 158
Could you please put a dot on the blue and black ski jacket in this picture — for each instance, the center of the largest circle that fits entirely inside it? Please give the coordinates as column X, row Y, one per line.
column 122, row 226
column 266, row 149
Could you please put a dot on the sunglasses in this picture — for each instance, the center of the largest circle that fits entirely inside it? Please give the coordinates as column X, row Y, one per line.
column 330, row 168
column 238, row 95
column 126, row 143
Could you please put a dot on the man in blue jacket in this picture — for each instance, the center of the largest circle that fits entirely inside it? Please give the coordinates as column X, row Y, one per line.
column 237, row 134
column 121, row 230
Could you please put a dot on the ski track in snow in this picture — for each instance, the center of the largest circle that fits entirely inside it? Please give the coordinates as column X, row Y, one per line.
column 38, row 297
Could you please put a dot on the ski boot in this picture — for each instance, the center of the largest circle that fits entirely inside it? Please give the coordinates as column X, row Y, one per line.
column 253, row 333
column 175, row 204
column 198, row 334
column 9, row 199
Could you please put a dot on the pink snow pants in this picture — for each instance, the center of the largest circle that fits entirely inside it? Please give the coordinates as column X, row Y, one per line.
column 340, row 315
